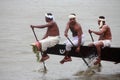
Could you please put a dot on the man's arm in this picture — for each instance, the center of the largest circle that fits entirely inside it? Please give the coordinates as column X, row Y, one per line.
column 43, row 26
column 79, row 31
column 66, row 30
column 103, row 29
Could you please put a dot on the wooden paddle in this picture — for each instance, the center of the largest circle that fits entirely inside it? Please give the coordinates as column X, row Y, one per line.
column 91, row 35
column 82, row 57
column 94, row 49
column 45, row 69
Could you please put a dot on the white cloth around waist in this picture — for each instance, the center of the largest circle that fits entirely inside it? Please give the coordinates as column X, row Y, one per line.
column 75, row 42
column 50, row 41
column 106, row 43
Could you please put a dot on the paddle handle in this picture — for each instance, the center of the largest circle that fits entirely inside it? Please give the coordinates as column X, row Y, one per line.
column 70, row 41
column 91, row 35
column 34, row 33
column 45, row 69
column 81, row 54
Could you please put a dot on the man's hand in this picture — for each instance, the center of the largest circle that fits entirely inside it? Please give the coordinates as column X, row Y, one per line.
column 32, row 26
column 90, row 31
column 66, row 35
column 77, row 49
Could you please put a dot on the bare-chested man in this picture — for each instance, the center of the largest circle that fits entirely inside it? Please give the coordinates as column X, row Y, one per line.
column 51, row 37
column 105, row 37
column 78, row 37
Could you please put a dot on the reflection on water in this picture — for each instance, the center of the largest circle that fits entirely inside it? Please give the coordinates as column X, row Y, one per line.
column 84, row 77
column 100, row 77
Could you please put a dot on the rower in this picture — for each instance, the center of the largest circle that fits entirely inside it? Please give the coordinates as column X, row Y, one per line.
column 51, row 37
column 105, row 37
column 77, row 34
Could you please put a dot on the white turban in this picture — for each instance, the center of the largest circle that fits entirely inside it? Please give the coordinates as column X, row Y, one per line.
column 101, row 19
column 101, row 23
column 71, row 16
column 49, row 16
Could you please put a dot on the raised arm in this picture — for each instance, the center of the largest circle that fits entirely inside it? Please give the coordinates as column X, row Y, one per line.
column 101, row 31
column 43, row 26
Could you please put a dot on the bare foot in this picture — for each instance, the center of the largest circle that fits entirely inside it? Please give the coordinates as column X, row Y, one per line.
column 44, row 58
column 67, row 59
column 98, row 61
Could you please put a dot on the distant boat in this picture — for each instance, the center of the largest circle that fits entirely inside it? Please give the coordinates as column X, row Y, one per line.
column 107, row 53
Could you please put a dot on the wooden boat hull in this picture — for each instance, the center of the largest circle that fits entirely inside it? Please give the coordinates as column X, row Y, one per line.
column 107, row 54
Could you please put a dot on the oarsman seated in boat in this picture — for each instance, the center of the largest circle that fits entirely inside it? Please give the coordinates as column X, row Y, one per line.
column 105, row 37
column 78, row 37
column 51, row 37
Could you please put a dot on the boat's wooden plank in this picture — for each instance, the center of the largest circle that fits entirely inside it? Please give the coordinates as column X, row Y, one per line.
column 108, row 54
column 111, row 54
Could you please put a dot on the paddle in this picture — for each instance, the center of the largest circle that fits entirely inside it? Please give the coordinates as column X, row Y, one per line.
column 91, row 35
column 82, row 57
column 94, row 49
column 45, row 69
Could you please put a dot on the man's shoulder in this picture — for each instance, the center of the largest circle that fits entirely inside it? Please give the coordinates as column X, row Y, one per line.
column 105, row 26
column 52, row 23
column 79, row 25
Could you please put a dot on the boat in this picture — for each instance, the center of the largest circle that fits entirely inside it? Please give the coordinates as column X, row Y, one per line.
column 108, row 53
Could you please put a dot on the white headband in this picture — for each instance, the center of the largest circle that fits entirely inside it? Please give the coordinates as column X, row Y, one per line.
column 71, row 16
column 101, row 19
column 101, row 23
column 49, row 16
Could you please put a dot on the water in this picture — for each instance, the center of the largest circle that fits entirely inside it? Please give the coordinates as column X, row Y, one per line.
column 17, row 61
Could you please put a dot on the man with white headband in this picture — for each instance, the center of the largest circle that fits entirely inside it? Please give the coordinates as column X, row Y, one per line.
column 49, row 15
column 77, row 34
column 51, row 37
column 105, row 37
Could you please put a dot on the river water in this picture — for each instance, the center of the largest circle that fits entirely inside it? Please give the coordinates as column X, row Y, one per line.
column 17, row 61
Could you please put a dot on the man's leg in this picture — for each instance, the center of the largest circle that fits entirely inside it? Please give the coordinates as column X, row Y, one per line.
column 69, row 45
column 44, row 53
column 37, row 44
column 67, row 58
column 44, row 56
column 99, row 45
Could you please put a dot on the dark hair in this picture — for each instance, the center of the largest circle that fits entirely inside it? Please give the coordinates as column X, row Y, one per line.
column 101, row 17
column 49, row 13
column 73, row 14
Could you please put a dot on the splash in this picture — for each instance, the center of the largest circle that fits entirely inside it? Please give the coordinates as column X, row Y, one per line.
column 90, row 71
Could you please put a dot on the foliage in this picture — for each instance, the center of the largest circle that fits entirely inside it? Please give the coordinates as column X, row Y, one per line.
column 36, row 51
